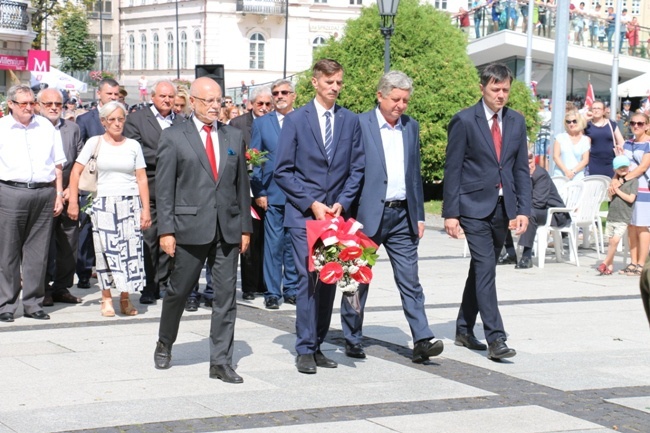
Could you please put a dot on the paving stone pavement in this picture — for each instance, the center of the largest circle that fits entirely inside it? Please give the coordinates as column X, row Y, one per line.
column 582, row 363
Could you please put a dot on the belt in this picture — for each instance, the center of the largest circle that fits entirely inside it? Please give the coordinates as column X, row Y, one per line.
column 395, row 203
column 28, row 185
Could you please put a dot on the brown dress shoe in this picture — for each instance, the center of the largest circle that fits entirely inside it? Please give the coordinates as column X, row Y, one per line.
column 66, row 298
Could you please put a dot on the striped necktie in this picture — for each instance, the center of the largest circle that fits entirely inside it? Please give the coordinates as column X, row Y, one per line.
column 328, row 135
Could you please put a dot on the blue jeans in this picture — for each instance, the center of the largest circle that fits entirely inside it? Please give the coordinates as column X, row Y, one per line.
column 610, row 34
column 477, row 27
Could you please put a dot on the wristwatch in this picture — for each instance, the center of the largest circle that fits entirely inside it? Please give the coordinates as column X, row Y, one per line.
column 59, row 193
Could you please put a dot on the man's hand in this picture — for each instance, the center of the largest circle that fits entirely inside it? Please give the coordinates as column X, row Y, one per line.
column 336, row 209
column 66, row 195
column 420, row 229
column 58, row 205
column 245, row 242
column 262, row 202
column 320, row 210
column 452, row 227
column 520, row 224
column 168, row 244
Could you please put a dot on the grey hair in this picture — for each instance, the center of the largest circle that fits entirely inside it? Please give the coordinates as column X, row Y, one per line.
column 19, row 88
column 260, row 91
column 283, row 81
column 165, row 81
column 394, row 80
column 40, row 94
column 107, row 109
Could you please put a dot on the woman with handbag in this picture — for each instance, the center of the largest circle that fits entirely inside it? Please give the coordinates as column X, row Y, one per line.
column 120, row 207
column 606, row 141
column 638, row 152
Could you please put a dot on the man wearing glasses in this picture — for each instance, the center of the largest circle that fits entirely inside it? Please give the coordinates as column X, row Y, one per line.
column 251, row 262
column 31, row 186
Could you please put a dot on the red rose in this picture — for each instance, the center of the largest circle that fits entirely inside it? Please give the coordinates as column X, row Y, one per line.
column 363, row 275
column 255, row 150
column 350, row 253
column 248, row 155
column 331, row 273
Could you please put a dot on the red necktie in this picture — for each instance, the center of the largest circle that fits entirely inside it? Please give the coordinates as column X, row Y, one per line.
column 496, row 135
column 209, row 149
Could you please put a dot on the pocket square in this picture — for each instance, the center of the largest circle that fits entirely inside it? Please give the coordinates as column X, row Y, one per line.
column 231, row 152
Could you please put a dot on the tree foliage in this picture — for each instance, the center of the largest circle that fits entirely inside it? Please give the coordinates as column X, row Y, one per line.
column 43, row 10
column 428, row 49
column 75, row 47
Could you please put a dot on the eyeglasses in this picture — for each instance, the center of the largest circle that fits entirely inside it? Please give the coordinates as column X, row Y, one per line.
column 24, row 104
column 596, row 108
column 208, row 101
column 639, row 124
column 262, row 104
column 283, row 92
column 49, row 104
column 116, row 119
column 568, row 122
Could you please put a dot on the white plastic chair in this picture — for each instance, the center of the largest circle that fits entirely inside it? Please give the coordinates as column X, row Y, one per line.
column 561, row 183
column 573, row 202
column 595, row 193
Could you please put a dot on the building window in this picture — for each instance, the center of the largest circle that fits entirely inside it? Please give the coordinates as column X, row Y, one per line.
column 320, row 1
column 356, row 2
column 441, row 4
column 609, row 3
column 256, row 51
column 131, row 52
column 317, row 43
column 170, row 51
column 105, row 7
column 156, row 51
column 636, row 7
column 197, row 47
column 143, row 51
column 183, row 52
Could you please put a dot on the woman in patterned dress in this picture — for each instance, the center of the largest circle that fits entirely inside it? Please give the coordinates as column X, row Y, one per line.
column 120, row 209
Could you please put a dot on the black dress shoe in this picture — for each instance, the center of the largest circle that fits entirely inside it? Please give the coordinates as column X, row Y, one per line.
column 323, row 361
column 424, row 349
column 162, row 356
column 48, row 301
column 290, row 300
column 524, row 263
column 6, row 317
column 225, row 373
column 208, row 303
column 507, row 259
column 65, row 297
column 192, row 304
column 499, row 350
column 271, row 303
column 147, row 299
column 38, row 315
column 469, row 341
column 354, row 351
column 248, row 296
column 83, row 284
column 306, row 364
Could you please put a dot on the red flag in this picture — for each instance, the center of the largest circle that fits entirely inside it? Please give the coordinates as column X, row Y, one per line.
column 589, row 98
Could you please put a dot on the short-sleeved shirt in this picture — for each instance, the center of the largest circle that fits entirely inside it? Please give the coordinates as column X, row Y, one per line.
column 116, row 166
column 620, row 211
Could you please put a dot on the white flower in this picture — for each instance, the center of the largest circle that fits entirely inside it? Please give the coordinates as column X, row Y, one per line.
column 353, row 269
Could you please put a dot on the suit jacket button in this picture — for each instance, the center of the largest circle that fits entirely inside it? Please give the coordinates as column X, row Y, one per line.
column 385, row 182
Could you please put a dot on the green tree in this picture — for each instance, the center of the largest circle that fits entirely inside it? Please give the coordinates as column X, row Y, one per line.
column 77, row 51
column 43, row 10
column 428, row 49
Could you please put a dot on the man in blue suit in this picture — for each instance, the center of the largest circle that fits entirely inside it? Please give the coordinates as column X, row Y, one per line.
column 89, row 126
column 391, row 209
column 319, row 168
column 269, row 197
column 486, row 191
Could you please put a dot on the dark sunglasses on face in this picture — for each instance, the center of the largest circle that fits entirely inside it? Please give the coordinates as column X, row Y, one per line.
column 639, row 124
column 261, row 104
column 568, row 122
column 283, row 92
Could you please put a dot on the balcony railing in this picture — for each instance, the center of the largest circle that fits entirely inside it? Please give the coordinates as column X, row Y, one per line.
column 262, row 7
column 13, row 15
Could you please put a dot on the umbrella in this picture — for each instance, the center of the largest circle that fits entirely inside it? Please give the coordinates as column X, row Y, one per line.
column 639, row 86
column 59, row 80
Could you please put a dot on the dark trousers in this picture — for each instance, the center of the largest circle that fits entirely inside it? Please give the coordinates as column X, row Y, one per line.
column 485, row 238
column 645, row 288
column 156, row 262
column 86, row 251
column 402, row 248
column 251, row 261
column 62, row 257
column 186, row 268
column 25, row 231
column 314, row 300
column 536, row 219
column 279, row 267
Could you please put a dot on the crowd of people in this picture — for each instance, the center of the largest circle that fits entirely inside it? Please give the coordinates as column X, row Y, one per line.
column 175, row 194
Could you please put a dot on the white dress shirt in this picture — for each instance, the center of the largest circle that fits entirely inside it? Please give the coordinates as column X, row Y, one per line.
column 29, row 153
column 164, row 121
column 393, row 144
column 204, row 137
column 320, row 110
column 490, row 114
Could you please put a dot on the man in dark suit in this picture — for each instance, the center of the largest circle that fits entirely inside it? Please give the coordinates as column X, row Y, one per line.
column 319, row 168
column 145, row 126
column 251, row 261
column 203, row 200
column 278, row 257
column 486, row 192
column 391, row 209
column 65, row 232
column 89, row 126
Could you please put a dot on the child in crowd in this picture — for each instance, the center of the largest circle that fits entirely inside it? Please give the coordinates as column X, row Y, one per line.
column 620, row 211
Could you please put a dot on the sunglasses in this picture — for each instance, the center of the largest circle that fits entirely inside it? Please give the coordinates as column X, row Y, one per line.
column 261, row 104
column 568, row 122
column 283, row 92
column 639, row 124
column 49, row 104
column 24, row 104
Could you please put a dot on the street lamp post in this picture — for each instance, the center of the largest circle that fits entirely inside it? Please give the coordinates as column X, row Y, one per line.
column 178, row 42
column 387, row 12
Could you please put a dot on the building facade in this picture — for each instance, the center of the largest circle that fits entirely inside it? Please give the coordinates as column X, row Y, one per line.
column 16, row 36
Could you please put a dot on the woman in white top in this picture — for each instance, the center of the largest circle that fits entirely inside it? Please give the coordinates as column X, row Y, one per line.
column 571, row 148
column 120, row 209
